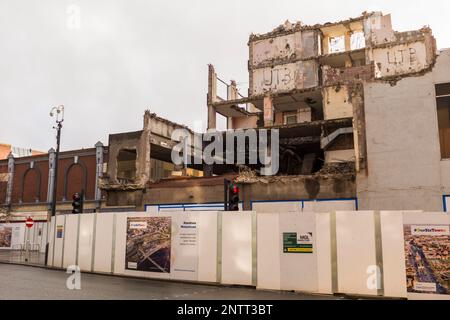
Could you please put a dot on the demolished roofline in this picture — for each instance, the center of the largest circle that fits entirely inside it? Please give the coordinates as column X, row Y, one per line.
column 281, row 31
column 153, row 115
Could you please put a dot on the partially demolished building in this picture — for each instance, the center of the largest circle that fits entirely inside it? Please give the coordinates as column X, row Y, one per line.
column 362, row 113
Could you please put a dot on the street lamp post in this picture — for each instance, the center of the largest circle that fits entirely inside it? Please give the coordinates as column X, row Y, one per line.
column 58, row 113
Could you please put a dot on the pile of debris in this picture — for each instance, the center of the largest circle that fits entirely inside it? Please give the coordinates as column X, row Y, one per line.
column 338, row 168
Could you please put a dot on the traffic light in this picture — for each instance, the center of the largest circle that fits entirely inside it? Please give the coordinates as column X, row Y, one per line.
column 77, row 203
column 233, row 197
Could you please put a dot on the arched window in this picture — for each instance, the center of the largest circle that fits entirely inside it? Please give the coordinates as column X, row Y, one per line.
column 30, row 187
column 75, row 179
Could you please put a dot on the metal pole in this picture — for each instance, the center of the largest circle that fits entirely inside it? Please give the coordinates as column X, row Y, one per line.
column 27, row 245
column 225, row 194
column 55, row 182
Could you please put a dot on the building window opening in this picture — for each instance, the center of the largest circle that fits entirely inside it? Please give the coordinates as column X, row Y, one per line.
column 357, row 40
column 126, row 164
column 290, row 118
column 443, row 113
column 337, row 44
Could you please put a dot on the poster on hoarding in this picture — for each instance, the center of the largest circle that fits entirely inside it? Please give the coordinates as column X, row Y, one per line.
column 11, row 235
column 427, row 258
column 6, row 236
column 148, row 245
column 185, row 246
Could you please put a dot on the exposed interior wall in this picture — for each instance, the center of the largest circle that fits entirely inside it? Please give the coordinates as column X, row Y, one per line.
column 245, row 122
column 286, row 77
column 337, row 103
column 336, row 156
column 401, row 59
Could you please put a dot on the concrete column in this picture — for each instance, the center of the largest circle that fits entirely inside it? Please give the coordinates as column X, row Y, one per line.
column 212, row 96
column 232, row 94
column 143, row 165
column 98, row 172
column 9, row 187
column 268, row 111
column 348, row 42
column 211, row 117
column 51, row 174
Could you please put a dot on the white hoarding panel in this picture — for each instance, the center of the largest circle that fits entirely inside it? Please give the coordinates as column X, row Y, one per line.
column 329, row 205
column 207, row 264
column 394, row 276
column 277, row 206
column 85, row 242
column 356, row 252
column 237, row 248
column 51, row 240
column 299, row 252
column 70, row 240
column 120, row 243
column 103, row 242
column 323, row 245
column 59, row 241
column 268, row 251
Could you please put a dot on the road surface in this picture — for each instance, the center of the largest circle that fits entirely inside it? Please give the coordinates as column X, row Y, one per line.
column 26, row 282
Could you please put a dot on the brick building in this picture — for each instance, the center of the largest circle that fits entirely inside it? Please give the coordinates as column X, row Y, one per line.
column 26, row 183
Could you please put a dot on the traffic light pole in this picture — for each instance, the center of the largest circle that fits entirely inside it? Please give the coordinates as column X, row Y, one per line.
column 55, row 180
column 226, row 184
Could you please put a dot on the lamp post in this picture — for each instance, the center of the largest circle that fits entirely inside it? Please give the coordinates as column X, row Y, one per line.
column 58, row 113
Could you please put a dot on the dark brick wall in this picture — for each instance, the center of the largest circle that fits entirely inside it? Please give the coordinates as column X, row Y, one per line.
column 22, row 172
column 67, row 169
column 3, row 182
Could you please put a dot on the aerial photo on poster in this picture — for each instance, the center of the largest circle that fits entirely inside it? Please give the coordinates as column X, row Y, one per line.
column 427, row 258
column 5, row 236
column 148, row 244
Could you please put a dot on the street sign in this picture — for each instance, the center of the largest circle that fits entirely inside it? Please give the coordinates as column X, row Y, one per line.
column 29, row 222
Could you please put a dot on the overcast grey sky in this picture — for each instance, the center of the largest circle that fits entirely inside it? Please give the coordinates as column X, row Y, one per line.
column 124, row 56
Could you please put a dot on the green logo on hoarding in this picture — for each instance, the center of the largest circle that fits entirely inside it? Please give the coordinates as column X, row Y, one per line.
column 294, row 244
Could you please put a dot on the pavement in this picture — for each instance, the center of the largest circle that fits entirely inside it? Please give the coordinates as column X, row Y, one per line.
column 18, row 256
column 20, row 282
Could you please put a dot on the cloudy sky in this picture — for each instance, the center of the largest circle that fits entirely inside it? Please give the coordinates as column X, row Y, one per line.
column 107, row 61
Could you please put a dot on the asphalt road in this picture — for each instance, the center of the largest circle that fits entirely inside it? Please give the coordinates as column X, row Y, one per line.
column 26, row 282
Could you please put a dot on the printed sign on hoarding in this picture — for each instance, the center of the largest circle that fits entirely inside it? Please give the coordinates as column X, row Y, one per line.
column 59, row 232
column 5, row 236
column 297, row 243
column 427, row 258
column 148, row 244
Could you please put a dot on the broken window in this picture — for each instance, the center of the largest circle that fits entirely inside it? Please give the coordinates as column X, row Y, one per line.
column 357, row 40
column 126, row 164
column 337, row 44
column 443, row 112
column 290, row 118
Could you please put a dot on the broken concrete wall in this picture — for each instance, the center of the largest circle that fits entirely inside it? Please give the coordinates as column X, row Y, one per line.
column 334, row 76
column 298, row 45
column 335, row 156
column 378, row 29
column 401, row 59
column 282, row 188
column 337, row 103
column 286, row 77
column 245, row 122
column 405, row 171
column 128, row 141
